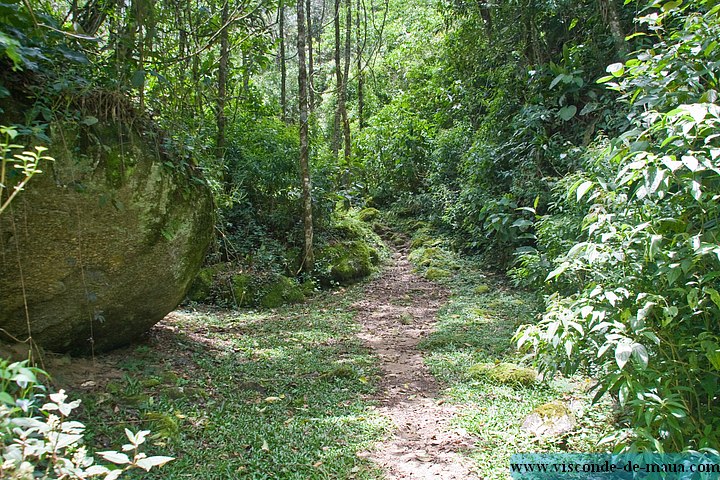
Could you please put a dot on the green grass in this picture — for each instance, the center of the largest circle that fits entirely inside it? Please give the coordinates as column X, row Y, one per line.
column 476, row 326
column 249, row 395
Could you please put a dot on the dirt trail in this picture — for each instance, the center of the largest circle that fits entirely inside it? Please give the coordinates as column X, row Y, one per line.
column 397, row 312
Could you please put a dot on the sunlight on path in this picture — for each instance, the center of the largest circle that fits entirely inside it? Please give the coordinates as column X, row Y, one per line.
column 397, row 312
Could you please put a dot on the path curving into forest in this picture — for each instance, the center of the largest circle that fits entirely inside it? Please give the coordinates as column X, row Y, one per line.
column 397, row 311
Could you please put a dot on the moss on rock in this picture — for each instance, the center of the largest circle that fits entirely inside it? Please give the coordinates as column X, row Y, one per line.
column 202, row 287
column 346, row 262
column 434, row 273
column 504, row 373
column 368, row 214
column 284, row 290
column 242, row 292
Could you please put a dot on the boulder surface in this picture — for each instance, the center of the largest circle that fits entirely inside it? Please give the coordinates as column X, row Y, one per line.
column 104, row 243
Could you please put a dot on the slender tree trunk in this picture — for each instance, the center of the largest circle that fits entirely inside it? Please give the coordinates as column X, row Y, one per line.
column 311, row 66
column 611, row 17
column 361, row 80
column 338, row 82
column 343, row 91
column 221, row 119
column 283, row 66
column 308, row 257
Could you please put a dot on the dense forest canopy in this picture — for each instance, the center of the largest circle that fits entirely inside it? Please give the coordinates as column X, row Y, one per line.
column 573, row 144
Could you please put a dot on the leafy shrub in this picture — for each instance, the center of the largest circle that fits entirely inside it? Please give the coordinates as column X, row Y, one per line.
column 40, row 441
column 643, row 316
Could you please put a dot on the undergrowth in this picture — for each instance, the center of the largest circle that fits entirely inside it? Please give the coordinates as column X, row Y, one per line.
column 476, row 327
column 249, row 395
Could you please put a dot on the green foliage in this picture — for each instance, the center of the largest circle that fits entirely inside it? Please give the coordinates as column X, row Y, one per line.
column 504, row 373
column 643, row 311
column 396, row 147
column 40, row 441
column 16, row 169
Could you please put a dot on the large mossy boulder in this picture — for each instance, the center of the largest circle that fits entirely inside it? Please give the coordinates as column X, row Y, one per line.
column 104, row 243
column 347, row 262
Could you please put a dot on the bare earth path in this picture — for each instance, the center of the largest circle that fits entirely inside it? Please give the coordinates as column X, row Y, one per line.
column 397, row 312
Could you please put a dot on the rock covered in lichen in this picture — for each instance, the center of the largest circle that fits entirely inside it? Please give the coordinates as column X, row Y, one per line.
column 552, row 418
column 104, row 243
column 504, row 373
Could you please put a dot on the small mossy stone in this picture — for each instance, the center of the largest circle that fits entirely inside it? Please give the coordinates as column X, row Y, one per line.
column 284, row 290
column 434, row 274
column 151, row 382
column 368, row 214
column 201, row 288
column 481, row 289
column 242, row 292
column 506, row 373
column 552, row 418
column 308, row 288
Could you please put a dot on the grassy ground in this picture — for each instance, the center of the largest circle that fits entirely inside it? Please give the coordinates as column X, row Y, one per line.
column 476, row 326
column 248, row 395
column 286, row 393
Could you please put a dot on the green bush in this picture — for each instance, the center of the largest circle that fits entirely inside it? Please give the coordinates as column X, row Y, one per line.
column 643, row 313
column 39, row 441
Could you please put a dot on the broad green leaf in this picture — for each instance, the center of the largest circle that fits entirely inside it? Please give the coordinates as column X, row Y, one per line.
column 671, row 5
column 616, row 69
column 623, row 351
column 567, row 112
column 641, row 355
column 712, row 352
column 150, row 462
column 558, row 271
column 583, row 189
column 115, row 457
column 90, row 120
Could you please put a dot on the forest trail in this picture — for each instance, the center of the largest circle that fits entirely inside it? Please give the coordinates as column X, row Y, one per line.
column 397, row 311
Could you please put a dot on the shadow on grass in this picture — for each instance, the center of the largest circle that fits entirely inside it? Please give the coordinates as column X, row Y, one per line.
column 245, row 395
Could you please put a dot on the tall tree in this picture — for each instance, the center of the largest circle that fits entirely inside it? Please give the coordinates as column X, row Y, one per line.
column 338, row 81
column 311, row 66
column 611, row 17
column 342, row 95
column 308, row 257
column 360, row 78
column 283, row 66
column 222, row 81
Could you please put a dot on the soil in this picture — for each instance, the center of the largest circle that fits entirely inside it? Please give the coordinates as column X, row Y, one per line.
column 397, row 311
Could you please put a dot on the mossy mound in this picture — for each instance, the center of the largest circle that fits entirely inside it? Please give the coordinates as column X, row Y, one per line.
column 434, row 273
column 201, row 290
column 552, row 418
column 242, row 290
column 506, row 373
column 351, row 252
column 481, row 289
column 435, row 261
column 347, row 262
column 283, row 291
column 368, row 215
column 220, row 284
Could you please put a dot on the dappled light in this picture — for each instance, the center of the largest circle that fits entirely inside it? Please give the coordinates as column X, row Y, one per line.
column 357, row 239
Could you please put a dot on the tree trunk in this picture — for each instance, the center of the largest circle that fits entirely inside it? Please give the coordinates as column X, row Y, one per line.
column 611, row 17
column 221, row 119
column 311, row 66
column 283, row 67
column 361, row 79
column 308, row 257
column 338, row 82
column 343, row 91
